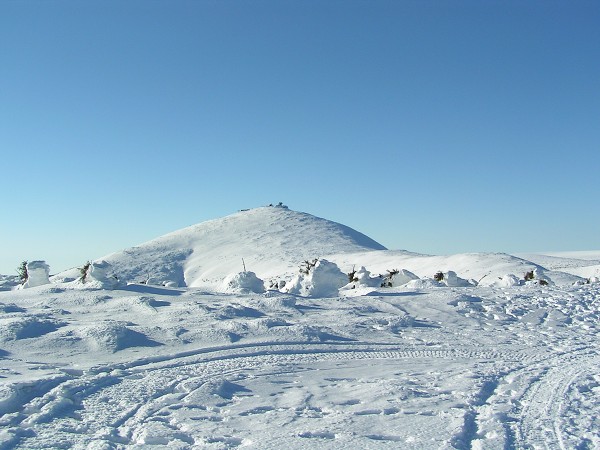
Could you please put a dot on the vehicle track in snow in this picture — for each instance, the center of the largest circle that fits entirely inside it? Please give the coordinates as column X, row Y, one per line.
column 116, row 405
column 544, row 417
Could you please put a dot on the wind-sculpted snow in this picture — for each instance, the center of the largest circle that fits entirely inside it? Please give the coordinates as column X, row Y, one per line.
column 439, row 367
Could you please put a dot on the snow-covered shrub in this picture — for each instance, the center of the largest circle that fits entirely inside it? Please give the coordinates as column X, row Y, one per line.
column 387, row 279
column 395, row 278
column 98, row 276
column 22, row 272
column 38, row 274
column 83, row 271
column 324, row 279
column 306, row 266
column 243, row 282
column 361, row 278
column 276, row 284
column 537, row 276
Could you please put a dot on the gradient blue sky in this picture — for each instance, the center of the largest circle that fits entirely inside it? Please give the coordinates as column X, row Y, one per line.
column 433, row 126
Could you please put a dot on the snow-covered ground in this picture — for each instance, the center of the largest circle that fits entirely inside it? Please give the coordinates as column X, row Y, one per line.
column 216, row 362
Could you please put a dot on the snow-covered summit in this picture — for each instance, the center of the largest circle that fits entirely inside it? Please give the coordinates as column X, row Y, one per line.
column 272, row 241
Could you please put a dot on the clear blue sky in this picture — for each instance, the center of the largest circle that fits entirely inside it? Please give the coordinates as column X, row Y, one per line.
column 433, row 126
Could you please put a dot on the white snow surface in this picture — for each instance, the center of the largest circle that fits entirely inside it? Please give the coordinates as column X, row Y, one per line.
column 491, row 365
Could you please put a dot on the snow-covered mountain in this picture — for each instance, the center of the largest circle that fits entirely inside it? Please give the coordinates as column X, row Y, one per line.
column 270, row 241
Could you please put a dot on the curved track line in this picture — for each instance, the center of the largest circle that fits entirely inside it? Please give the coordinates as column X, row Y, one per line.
column 151, row 384
column 541, row 418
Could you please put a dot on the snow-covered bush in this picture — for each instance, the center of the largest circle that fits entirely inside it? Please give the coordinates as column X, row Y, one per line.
column 97, row 275
column 324, row 279
column 38, row 274
column 400, row 277
column 537, row 276
column 243, row 282
column 362, row 278
column 83, row 271
column 22, row 272
column 306, row 266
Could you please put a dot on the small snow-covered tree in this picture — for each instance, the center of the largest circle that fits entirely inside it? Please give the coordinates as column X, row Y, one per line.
column 83, row 271
column 352, row 275
column 387, row 279
column 306, row 266
column 22, row 272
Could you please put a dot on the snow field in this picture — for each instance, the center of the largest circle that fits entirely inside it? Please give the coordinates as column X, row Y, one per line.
column 469, row 367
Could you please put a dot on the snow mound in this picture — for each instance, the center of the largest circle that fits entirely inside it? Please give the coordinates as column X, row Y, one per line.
column 450, row 279
column 99, row 274
column 113, row 336
column 26, row 327
column 38, row 274
column 362, row 279
column 325, row 279
column 506, row 281
column 243, row 283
